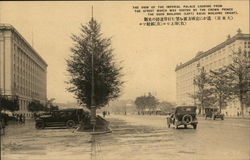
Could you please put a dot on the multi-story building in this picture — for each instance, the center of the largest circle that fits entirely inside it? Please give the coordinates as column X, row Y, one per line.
column 23, row 73
column 212, row 59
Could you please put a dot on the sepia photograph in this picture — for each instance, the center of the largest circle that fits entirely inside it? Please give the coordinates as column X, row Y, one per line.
column 125, row 80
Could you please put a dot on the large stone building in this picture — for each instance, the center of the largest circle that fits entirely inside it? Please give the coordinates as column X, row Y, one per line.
column 23, row 73
column 212, row 59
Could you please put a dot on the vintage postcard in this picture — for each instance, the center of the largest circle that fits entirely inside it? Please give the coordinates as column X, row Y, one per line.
column 125, row 80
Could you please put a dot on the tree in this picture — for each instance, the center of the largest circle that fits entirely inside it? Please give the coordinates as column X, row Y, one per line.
column 146, row 102
column 50, row 105
column 166, row 106
column 151, row 102
column 203, row 94
column 239, row 71
column 36, row 106
column 107, row 74
column 9, row 103
column 140, row 104
column 220, row 86
column 53, row 107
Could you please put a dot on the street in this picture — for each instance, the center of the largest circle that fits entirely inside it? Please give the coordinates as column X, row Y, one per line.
column 133, row 138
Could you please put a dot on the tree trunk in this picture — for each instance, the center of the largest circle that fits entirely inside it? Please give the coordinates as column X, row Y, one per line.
column 220, row 103
column 241, row 105
column 241, row 87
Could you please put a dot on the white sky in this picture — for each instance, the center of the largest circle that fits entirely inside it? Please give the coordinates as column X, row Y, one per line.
column 149, row 54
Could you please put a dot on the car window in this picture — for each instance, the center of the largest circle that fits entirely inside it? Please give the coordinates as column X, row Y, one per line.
column 186, row 109
column 66, row 114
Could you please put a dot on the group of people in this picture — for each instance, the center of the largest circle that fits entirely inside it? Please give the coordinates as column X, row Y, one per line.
column 4, row 118
column 104, row 113
column 20, row 118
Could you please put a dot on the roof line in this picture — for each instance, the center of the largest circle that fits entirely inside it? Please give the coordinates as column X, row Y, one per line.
column 238, row 36
column 10, row 27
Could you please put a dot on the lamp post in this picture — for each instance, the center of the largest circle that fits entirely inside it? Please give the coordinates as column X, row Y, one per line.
column 194, row 90
column 0, row 124
column 0, row 99
column 93, row 105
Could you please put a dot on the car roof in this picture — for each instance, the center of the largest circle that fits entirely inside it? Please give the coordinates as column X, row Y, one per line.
column 70, row 110
column 212, row 107
column 186, row 107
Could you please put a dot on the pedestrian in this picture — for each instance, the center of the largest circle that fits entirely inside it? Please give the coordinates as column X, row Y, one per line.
column 35, row 115
column 24, row 118
column 104, row 113
column 20, row 118
column 2, row 126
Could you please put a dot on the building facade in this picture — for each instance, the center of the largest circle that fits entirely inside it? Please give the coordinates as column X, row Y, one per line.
column 214, row 58
column 23, row 73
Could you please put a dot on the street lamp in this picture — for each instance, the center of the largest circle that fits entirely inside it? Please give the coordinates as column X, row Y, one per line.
column 0, row 99
column 93, row 105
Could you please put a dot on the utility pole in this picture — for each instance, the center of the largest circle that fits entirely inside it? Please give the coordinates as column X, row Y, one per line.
column 93, row 105
column 1, row 124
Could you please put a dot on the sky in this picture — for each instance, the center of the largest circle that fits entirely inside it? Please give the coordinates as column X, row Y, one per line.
column 149, row 55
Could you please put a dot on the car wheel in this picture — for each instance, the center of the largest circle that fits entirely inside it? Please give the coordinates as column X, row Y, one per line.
column 222, row 118
column 185, row 126
column 194, row 126
column 70, row 123
column 40, row 125
column 187, row 119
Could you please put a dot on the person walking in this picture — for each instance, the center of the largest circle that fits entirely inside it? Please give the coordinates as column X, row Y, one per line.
column 2, row 125
column 20, row 118
column 24, row 118
column 104, row 113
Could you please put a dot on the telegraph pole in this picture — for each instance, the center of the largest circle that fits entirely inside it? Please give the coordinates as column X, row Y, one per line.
column 93, row 105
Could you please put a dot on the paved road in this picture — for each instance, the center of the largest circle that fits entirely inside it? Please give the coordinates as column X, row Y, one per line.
column 147, row 138
column 133, row 138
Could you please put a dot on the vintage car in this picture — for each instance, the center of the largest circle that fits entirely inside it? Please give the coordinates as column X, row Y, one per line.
column 183, row 115
column 213, row 113
column 59, row 118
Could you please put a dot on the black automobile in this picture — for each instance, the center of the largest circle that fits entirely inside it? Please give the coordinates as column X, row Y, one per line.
column 183, row 115
column 213, row 113
column 60, row 118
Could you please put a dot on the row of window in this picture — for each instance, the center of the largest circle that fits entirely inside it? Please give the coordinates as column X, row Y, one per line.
column 29, row 77
column 19, row 42
column 184, row 82
column 222, row 53
column 247, row 44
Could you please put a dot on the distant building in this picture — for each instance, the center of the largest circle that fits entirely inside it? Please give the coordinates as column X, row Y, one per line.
column 23, row 73
column 212, row 59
